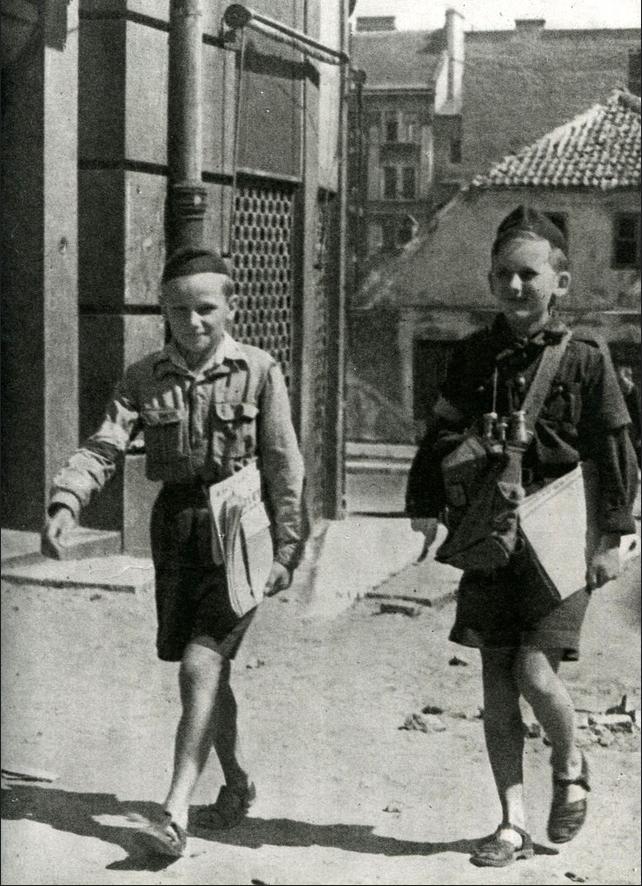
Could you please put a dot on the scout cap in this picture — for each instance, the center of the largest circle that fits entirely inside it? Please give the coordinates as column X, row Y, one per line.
column 523, row 219
column 193, row 260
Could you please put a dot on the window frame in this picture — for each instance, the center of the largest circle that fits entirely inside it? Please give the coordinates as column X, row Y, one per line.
column 616, row 262
column 389, row 167
column 404, row 171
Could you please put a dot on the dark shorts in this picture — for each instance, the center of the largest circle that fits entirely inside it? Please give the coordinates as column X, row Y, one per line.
column 510, row 608
column 191, row 598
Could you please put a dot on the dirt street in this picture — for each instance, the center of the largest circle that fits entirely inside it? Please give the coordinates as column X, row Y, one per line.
column 344, row 794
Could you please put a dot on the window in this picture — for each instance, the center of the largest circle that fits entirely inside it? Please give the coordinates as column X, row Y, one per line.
column 626, row 240
column 455, row 150
column 412, row 127
column 389, row 182
column 408, row 191
column 391, row 127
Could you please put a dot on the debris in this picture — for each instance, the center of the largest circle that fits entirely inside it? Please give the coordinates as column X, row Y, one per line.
column 95, row 597
column 427, row 723
column 414, row 722
column 458, row 662
column 432, row 709
column 574, row 878
column 256, row 882
column 283, row 600
column 255, row 663
column 27, row 773
column 581, row 720
column 636, row 718
column 614, row 722
column 621, row 708
column 392, row 807
column 532, row 729
column 435, row 723
column 606, row 739
column 399, row 609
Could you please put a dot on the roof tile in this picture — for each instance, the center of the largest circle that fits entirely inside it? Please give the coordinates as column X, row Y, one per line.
column 598, row 149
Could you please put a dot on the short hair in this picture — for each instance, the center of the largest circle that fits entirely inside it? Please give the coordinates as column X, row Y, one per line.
column 557, row 258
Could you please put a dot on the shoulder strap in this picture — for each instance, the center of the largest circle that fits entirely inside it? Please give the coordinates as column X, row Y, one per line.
column 541, row 384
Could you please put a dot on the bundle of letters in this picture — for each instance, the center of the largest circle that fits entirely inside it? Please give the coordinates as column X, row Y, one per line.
column 241, row 536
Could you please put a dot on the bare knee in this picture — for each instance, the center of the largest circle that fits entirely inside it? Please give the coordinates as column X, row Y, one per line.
column 202, row 670
column 534, row 675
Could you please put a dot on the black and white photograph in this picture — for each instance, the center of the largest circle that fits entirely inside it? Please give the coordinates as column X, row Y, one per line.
column 320, row 442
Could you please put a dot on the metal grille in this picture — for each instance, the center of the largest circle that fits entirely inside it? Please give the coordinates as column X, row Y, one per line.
column 318, row 470
column 262, row 269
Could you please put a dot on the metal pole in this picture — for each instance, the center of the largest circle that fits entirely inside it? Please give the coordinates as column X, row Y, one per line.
column 187, row 197
column 337, row 337
column 239, row 16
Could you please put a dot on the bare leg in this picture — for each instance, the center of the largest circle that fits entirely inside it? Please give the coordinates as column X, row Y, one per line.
column 226, row 738
column 503, row 732
column 202, row 674
column 539, row 683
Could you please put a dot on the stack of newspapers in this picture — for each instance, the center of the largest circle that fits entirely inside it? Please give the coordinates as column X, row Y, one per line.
column 241, row 536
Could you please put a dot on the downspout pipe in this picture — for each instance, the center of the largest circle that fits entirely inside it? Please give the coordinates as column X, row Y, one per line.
column 187, row 198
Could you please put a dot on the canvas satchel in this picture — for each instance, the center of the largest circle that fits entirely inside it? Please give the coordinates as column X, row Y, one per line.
column 483, row 484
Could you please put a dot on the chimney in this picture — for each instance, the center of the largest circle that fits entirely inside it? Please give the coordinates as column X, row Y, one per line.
column 376, row 23
column 529, row 27
column 455, row 50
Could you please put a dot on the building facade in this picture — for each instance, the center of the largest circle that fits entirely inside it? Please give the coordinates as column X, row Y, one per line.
column 586, row 176
column 86, row 142
column 405, row 126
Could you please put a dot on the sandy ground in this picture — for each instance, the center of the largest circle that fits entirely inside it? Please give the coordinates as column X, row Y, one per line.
column 344, row 795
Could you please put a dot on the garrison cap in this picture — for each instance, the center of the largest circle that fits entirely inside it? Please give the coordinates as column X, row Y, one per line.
column 193, row 260
column 525, row 218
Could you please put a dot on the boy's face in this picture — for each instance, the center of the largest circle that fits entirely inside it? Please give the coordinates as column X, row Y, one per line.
column 524, row 282
column 197, row 310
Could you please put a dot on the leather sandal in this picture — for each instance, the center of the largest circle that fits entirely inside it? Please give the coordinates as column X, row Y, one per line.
column 165, row 838
column 566, row 819
column 231, row 807
column 494, row 852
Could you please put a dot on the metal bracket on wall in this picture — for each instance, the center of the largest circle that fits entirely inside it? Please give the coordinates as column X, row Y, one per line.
column 238, row 17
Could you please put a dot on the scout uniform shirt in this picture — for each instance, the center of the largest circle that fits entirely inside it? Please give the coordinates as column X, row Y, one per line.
column 199, row 426
column 584, row 417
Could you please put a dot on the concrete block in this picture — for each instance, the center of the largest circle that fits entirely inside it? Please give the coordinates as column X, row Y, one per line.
column 114, row 573
column 82, row 543
column 355, row 555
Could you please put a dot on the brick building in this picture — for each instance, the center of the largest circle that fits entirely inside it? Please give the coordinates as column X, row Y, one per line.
column 85, row 173
column 405, row 123
column 586, row 175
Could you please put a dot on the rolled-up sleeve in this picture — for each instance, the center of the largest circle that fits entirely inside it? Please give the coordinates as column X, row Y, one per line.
column 604, row 432
column 282, row 469
column 97, row 459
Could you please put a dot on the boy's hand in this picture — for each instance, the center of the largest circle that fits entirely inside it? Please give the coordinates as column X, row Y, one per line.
column 427, row 525
column 605, row 563
column 56, row 528
column 279, row 579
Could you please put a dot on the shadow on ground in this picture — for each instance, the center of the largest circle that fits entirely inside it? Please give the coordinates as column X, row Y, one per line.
column 256, row 832
column 79, row 813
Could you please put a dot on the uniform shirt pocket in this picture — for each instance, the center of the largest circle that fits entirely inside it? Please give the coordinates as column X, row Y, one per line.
column 234, row 430
column 565, row 403
column 164, row 431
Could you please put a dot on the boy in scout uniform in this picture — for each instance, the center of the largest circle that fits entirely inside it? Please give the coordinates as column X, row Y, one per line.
column 207, row 405
column 521, row 639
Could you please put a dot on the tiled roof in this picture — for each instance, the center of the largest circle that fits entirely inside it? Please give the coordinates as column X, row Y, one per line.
column 598, row 149
column 401, row 59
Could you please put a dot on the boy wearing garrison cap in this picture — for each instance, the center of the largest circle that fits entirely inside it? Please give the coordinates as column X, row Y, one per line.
column 207, row 405
column 522, row 635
